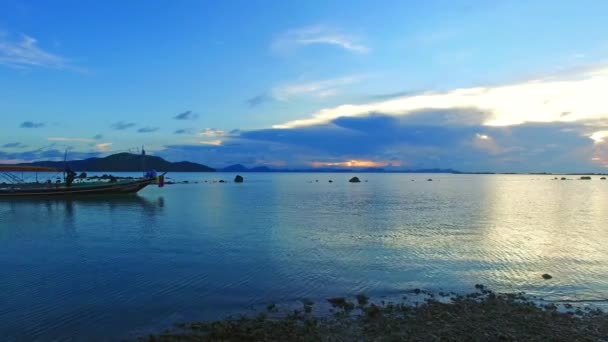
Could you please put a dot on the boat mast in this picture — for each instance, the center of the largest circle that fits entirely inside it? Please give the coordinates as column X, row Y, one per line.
column 65, row 163
column 143, row 161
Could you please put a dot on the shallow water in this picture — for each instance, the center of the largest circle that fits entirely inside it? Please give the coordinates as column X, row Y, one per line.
column 114, row 267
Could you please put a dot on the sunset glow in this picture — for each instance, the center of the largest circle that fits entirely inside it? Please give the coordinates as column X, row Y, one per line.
column 216, row 142
column 356, row 163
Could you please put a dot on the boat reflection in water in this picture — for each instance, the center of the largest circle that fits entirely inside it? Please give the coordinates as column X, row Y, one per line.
column 68, row 213
column 108, row 201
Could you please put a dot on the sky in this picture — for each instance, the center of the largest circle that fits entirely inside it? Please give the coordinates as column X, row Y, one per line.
column 499, row 86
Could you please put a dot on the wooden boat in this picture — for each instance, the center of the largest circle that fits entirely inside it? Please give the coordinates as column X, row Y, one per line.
column 112, row 187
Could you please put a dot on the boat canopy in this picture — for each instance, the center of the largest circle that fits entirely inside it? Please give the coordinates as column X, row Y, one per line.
column 25, row 168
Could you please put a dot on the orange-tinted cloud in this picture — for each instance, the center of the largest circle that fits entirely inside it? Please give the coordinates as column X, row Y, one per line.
column 355, row 163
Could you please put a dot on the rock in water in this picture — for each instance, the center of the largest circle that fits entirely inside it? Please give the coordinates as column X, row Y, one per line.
column 238, row 179
column 222, row 181
column 429, row 180
column 355, row 180
column 331, row 181
column 547, row 276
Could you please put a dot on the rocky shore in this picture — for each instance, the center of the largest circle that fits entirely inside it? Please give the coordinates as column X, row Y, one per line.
column 479, row 316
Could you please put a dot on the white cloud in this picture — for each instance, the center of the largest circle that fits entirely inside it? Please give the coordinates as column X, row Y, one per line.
column 320, row 89
column 486, row 143
column 578, row 97
column 599, row 136
column 212, row 132
column 25, row 53
column 318, row 34
column 103, row 147
column 215, row 142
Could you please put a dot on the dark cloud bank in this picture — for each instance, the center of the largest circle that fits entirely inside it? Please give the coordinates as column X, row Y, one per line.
column 427, row 139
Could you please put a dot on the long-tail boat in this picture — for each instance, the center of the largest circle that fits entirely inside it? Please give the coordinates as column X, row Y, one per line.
column 13, row 186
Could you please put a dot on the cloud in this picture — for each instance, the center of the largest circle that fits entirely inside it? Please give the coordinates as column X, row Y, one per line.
column 317, row 35
column 258, row 100
column 319, row 89
column 228, row 152
column 64, row 139
column 212, row 136
column 147, row 129
column 487, row 143
column 212, row 132
column 31, row 124
column 121, row 125
column 45, row 154
column 599, row 136
column 103, row 147
column 183, row 131
column 579, row 97
column 557, row 123
column 14, row 145
column 187, row 115
column 24, row 52
column 396, row 142
column 353, row 163
column 214, row 142
column 393, row 95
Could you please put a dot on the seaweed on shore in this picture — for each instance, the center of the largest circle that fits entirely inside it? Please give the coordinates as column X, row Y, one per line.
column 480, row 316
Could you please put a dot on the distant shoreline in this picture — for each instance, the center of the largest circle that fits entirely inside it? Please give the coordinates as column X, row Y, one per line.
column 127, row 162
column 350, row 172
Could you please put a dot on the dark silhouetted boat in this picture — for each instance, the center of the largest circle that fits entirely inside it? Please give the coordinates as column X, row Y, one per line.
column 13, row 186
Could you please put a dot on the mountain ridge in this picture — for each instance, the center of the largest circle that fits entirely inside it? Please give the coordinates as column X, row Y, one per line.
column 129, row 162
column 124, row 162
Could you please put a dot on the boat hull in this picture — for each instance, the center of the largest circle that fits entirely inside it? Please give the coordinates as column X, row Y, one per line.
column 131, row 187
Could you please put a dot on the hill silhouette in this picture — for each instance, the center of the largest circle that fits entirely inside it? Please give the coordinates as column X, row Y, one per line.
column 126, row 162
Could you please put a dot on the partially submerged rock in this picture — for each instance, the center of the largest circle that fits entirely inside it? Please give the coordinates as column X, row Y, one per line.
column 239, row 179
column 480, row 316
column 547, row 276
column 355, row 180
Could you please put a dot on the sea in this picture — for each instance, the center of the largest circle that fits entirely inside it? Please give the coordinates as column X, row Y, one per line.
column 112, row 268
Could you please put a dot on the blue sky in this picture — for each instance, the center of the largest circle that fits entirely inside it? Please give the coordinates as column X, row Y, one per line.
column 471, row 85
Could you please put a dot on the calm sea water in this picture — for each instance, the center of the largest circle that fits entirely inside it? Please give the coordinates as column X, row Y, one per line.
column 108, row 268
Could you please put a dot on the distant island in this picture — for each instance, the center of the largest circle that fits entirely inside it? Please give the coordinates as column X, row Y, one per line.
column 129, row 162
column 242, row 168
column 124, row 162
